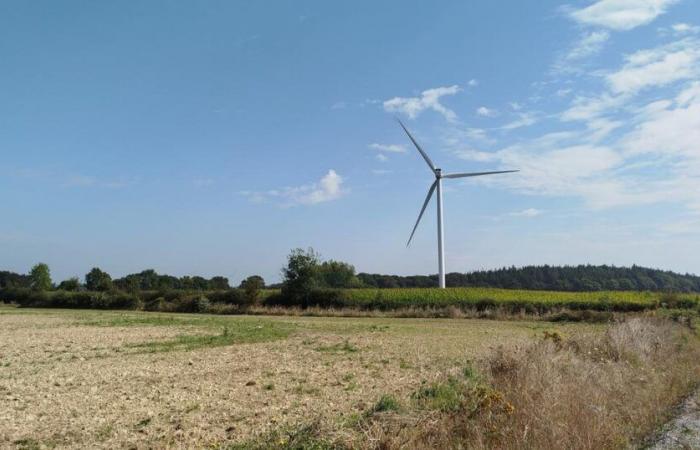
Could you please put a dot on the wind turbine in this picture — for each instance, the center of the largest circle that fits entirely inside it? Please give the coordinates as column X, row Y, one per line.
column 437, row 184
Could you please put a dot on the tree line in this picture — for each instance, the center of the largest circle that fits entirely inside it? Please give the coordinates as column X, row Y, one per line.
column 306, row 271
column 97, row 280
column 581, row 278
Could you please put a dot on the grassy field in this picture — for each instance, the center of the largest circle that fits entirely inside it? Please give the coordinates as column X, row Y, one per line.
column 107, row 379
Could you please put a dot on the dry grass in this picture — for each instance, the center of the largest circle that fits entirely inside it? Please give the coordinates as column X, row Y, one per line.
column 84, row 379
column 589, row 391
column 97, row 379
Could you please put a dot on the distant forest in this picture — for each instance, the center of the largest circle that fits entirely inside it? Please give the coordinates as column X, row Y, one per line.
column 342, row 275
column 550, row 278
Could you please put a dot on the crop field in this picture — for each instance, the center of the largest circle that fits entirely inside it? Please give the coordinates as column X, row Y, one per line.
column 74, row 378
column 511, row 298
column 415, row 302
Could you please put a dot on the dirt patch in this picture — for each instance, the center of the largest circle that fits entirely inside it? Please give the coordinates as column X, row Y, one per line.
column 67, row 384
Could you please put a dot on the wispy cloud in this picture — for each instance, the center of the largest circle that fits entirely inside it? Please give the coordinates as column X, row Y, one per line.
column 86, row 181
column 328, row 188
column 574, row 58
column 679, row 29
column 382, row 158
column 621, row 14
column 530, row 212
column 391, row 148
column 657, row 67
column 524, row 119
column 339, row 105
column 429, row 99
column 486, row 112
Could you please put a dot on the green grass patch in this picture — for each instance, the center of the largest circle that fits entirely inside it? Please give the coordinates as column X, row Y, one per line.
column 345, row 347
column 247, row 332
column 442, row 396
column 386, row 403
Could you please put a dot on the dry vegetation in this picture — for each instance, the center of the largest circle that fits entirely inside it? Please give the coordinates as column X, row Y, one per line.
column 607, row 390
column 91, row 379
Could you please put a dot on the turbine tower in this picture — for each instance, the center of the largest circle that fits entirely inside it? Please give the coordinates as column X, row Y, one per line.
column 437, row 184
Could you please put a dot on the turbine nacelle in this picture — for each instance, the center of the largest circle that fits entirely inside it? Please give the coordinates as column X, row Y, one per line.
column 437, row 184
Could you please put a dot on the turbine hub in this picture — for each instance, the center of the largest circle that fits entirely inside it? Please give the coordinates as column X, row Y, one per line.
column 438, row 173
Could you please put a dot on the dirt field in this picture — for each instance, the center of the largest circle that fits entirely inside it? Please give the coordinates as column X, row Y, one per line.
column 90, row 379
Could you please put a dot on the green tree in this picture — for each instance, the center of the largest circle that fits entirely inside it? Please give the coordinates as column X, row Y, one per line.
column 337, row 274
column 300, row 276
column 71, row 284
column 98, row 280
column 41, row 277
column 251, row 288
column 219, row 283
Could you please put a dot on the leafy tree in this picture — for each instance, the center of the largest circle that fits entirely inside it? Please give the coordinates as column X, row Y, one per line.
column 300, row 275
column 71, row 284
column 337, row 274
column 12, row 279
column 251, row 287
column 98, row 280
column 41, row 277
column 219, row 283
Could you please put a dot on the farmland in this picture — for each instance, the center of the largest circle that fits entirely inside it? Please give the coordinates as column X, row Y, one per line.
column 106, row 379
column 417, row 302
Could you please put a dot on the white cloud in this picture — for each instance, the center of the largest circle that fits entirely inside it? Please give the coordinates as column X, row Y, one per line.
column 683, row 28
column 473, row 82
column 530, row 212
column 429, row 99
column 382, row 158
column 339, row 105
column 524, row 119
column 391, row 148
column 654, row 160
column 680, row 29
column 475, row 155
column 621, row 14
column 587, row 108
column 486, row 112
column 589, row 44
column 670, row 129
column 328, row 188
column 657, row 67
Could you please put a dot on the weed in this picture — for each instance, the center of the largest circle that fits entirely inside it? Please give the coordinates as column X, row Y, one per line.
column 442, row 396
column 386, row 403
column 345, row 347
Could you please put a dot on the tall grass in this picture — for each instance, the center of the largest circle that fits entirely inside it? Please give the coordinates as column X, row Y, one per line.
column 586, row 392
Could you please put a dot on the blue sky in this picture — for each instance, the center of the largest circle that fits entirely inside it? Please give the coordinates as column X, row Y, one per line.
column 212, row 137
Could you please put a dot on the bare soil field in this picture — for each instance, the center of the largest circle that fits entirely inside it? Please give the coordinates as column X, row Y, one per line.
column 98, row 379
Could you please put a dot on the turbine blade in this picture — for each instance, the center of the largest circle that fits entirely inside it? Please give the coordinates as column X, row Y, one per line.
column 476, row 174
column 423, row 154
column 425, row 205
